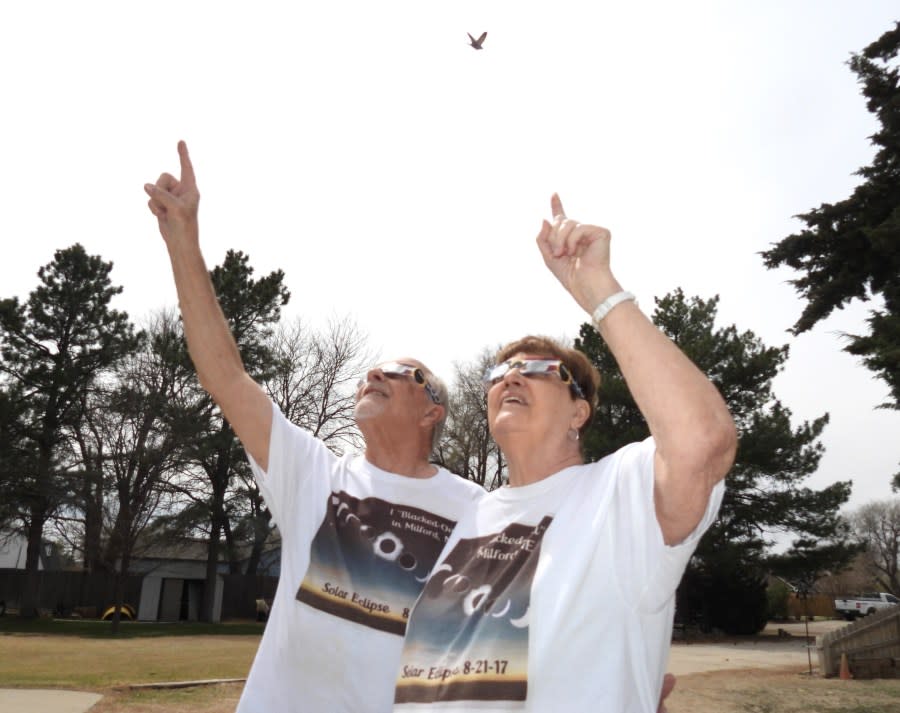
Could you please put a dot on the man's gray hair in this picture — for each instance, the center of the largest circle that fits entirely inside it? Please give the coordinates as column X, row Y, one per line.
column 444, row 395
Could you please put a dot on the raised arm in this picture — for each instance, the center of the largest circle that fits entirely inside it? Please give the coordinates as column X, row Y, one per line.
column 694, row 432
column 174, row 202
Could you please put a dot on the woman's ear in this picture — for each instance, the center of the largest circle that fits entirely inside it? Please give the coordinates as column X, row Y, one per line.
column 582, row 414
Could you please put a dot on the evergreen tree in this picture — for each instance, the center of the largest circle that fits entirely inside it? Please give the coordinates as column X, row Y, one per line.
column 14, row 452
column 53, row 348
column 851, row 249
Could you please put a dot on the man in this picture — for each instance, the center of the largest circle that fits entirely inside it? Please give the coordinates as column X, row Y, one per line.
column 359, row 534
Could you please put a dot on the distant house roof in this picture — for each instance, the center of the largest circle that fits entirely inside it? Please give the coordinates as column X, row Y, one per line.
column 187, row 550
column 196, row 550
column 175, row 554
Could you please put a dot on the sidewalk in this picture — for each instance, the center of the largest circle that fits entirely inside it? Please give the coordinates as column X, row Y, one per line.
column 23, row 700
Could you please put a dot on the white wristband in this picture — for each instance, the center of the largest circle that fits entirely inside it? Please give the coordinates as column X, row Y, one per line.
column 604, row 307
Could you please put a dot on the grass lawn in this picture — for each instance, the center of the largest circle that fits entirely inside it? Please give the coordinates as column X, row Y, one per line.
column 84, row 655
column 96, row 629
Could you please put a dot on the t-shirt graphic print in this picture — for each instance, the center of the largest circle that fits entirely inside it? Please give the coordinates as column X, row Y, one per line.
column 469, row 640
column 370, row 559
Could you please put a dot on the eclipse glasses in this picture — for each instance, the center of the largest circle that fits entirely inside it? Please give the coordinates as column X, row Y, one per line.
column 394, row 369
column 532, row 367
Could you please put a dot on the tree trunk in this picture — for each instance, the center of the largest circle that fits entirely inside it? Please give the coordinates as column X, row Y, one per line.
column 261, row 532
column 121, row 571
column 38, row 511
column 219, row 478
column 209, row 590
column 234, row 566
column 219, row 481
column 30, row 600
column 93, row 525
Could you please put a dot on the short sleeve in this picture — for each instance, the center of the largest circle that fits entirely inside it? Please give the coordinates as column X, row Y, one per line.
column 649, row 570
column 673, row 559
column 299, row 464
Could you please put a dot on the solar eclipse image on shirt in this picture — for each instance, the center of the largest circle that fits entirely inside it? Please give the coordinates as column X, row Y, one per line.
column 370, row 559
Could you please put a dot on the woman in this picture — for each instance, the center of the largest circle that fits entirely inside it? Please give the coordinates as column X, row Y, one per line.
column 557, row 591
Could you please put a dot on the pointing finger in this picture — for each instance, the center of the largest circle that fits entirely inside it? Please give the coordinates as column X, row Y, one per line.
column 556, row 206
column 187, row 168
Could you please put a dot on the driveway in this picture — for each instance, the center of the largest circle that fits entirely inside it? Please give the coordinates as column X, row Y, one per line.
column 21, row 700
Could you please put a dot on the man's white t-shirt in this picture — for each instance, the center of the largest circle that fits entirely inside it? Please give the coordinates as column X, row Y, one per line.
column 554, row 596
column 357, row 546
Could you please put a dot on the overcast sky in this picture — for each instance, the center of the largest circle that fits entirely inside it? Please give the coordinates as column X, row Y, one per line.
column 399, row 177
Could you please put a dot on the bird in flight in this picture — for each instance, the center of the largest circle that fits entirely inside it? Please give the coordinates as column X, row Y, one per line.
column 477, row 43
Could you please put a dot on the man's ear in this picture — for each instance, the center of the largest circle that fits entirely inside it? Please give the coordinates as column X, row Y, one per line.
column 433, row 414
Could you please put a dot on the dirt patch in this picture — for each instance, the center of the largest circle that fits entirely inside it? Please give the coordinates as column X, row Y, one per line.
column 756, row 654
column 783, row 646
column 760, row 691
column 203, row 699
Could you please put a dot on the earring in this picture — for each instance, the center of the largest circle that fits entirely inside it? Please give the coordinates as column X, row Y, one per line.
column 573, row 435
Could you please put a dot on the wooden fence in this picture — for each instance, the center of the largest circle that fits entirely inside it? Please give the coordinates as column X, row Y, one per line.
column 814, row 605
column 872, row 644
column 62, row 593
column 65, row 593
column 241, row 592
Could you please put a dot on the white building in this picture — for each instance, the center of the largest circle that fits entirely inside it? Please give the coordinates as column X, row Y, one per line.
column 174, row 580
column 13, row 550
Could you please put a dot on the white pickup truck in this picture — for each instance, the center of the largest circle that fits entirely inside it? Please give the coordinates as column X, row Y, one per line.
column 865, row 604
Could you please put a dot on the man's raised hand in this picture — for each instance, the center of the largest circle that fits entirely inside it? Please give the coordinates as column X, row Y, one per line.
column 174, row 201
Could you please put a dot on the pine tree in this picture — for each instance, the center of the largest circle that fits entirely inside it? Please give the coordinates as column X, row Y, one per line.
column 52, row 349
column 851, row 249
